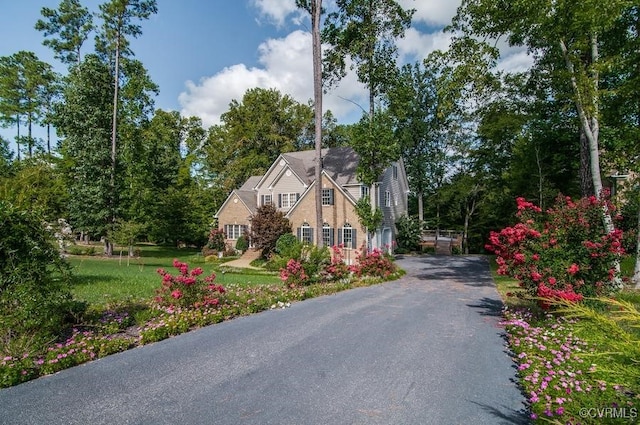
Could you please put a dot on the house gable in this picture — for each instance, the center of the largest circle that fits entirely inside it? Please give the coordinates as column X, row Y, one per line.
column 236, row 203
column 340, row 214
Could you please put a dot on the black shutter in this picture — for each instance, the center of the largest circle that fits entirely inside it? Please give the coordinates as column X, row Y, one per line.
column 311, row 230
column 331, row 196
column 331, row 238
column 299, row 234
column 279, row 200
column 353, row 239
column 261, row 199
column 340, row 236
column 297, row 197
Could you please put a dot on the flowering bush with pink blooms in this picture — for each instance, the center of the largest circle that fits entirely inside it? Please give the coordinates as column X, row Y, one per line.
column 562, row 253
column 375, row 263
column 337, row 268
column 187, row 288
column 293, row 275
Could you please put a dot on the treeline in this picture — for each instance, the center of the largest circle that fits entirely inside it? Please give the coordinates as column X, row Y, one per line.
column 473, row 137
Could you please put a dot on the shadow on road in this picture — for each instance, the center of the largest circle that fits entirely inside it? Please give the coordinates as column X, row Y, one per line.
column 472, row 270
column 505, row 415
column 488, row 307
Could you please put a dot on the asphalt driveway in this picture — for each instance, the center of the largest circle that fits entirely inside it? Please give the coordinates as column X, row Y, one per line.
column 426, row 349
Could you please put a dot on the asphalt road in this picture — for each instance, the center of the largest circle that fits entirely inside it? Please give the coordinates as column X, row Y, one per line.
column 426, row 349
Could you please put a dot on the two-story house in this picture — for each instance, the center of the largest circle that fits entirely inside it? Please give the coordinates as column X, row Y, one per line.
column 289, row 184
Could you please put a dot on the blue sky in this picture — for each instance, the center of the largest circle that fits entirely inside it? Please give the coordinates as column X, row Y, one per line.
column 205, row 53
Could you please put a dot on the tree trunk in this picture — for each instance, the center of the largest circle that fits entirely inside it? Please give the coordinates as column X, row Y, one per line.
column 465, row 232
column 18, row 137
column 114, row 129
column 316, row 9
column 29, row 138
column 420, row 207
column 540, row 179
column 49, row 139
column 114, row 118
column 108, row 247
column 636, row 270
column 591, row 128
column 586, row 181
column 372, row 200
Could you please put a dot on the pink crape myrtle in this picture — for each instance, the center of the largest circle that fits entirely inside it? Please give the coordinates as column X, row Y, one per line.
column 562, row 253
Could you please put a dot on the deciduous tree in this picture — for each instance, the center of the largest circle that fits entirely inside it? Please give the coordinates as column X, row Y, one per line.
column 267, row 225
column 253, row 132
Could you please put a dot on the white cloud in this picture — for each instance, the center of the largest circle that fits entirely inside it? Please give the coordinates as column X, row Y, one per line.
column 432, row 12
column 276, row 11
column 518, row 61
column 211, row 97
column 417, row 46
column 286, row 65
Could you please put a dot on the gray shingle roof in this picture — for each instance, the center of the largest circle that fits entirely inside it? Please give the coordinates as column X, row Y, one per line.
column 339, row 163
column 250, row 184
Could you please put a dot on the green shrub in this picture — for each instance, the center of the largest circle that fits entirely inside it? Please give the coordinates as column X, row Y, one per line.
column 80, row 250
column 288, row 246
column 409, row 233
column 242, row 244
column 315, row 260
column 34, row 278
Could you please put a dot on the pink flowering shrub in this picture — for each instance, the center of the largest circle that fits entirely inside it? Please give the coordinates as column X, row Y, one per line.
column 561, row 253
column 375, row 263
column 337, row 269
column 293, row 275
column 187, row 288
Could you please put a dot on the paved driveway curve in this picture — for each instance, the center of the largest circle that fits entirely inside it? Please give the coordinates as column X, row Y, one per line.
column 425, row 349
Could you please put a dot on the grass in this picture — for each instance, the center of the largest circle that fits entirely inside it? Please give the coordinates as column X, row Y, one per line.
column 102, row 281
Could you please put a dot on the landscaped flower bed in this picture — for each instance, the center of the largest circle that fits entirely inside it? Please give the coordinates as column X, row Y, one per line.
column 184, row 302
column 561, row 374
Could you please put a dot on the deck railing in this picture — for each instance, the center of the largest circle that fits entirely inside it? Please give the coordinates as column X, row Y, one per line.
column 441, row 240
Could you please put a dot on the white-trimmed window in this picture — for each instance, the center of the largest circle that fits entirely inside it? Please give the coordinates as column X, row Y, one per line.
column 286, row 200
column 234, row 231
column 327, row 235
column 306, row 233
column 327, row 197
column 387, row 198
column 364, row 191
column 395, row 172
column 347, row 236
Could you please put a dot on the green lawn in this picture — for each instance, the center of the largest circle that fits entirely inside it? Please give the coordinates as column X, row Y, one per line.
column 100, row 281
